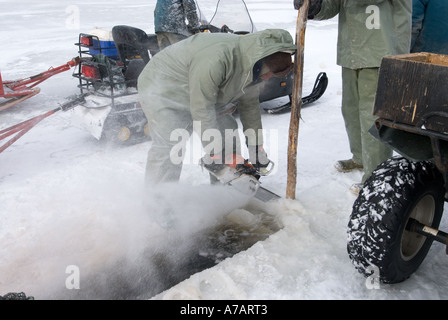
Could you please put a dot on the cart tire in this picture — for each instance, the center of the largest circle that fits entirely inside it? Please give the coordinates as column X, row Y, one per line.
column 377, row 237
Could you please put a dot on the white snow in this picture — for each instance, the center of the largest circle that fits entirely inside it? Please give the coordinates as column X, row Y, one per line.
column 68, row 201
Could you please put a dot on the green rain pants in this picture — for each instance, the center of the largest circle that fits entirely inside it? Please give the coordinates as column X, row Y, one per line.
column 358, row 96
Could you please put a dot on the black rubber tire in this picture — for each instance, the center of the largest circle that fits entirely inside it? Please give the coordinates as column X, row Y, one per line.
column 377, row 235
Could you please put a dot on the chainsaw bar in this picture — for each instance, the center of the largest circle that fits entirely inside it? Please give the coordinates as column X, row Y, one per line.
column 244, row 180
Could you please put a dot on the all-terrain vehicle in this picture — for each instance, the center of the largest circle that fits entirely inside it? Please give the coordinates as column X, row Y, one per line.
column 396, row 217
column 111, row 61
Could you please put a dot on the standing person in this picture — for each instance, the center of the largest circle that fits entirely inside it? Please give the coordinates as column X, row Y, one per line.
column 170, row 21
column 368, row 30
column 184, row 87
column 430, row 26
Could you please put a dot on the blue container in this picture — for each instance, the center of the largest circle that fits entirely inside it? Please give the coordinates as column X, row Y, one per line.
column 103, row 43
column 104, row 47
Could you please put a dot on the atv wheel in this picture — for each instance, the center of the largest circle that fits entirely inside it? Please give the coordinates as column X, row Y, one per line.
column 116, row 130
column 117, row 135
column 123, row 134
column 146, row 130
column 398, row 189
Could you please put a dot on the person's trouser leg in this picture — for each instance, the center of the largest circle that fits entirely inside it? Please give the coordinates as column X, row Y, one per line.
column 166, row 154
column 159, row 165
column 350, row 112
column 175, row 37
column 374, row 152
column 165, row 39
column 162, row 40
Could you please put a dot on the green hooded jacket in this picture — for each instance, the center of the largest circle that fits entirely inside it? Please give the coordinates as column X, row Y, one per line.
column 207, row 71
column 369, row 30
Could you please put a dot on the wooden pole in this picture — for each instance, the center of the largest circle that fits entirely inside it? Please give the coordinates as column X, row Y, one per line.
column 296, row 102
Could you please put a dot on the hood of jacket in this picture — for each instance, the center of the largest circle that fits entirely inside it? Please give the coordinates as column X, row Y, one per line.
column 259, row 45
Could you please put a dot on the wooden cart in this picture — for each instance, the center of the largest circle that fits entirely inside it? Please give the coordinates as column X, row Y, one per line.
column 396, row 217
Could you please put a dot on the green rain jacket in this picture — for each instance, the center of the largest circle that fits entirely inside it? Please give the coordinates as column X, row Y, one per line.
column 369, row 30
column 207, row 71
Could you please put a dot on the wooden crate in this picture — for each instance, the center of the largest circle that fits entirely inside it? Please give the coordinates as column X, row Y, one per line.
column 413, row 89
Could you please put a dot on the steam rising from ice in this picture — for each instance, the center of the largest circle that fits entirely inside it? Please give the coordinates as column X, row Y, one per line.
column 109, row 226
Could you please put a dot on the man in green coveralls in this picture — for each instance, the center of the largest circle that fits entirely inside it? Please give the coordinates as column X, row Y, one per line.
column 368, row 31
column 185, row 86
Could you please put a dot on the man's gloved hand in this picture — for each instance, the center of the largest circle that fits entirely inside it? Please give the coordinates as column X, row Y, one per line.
column 259, row 159
column 298, row 4
column 314, row 8
column 216, row 162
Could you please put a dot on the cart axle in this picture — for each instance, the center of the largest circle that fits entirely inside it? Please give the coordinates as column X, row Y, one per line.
column 420, row 228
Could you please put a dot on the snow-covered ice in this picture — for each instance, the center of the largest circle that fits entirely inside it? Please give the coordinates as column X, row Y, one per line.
column 67, row 200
